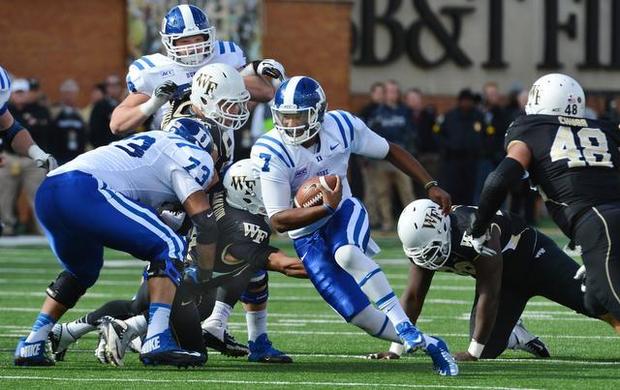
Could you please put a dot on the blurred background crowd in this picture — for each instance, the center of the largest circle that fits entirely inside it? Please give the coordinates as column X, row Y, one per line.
column 459, row 146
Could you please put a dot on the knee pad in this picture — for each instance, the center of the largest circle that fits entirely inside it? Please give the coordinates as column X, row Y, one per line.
column 66, row 289
column 170, row 268
column 257, row 291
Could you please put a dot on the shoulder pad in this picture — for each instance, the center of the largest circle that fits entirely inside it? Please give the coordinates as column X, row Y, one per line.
column 271, row 144
column 5, row 80
column 344, row 123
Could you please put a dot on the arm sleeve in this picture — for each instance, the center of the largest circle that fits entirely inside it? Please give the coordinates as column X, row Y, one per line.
column 274, row 179
column 366, row 142
column 252, row 253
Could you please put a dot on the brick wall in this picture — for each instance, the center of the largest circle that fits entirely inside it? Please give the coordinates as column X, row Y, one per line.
column 312, row 38
column 54, row 40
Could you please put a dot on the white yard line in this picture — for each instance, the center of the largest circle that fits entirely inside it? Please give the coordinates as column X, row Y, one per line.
column 240, row 382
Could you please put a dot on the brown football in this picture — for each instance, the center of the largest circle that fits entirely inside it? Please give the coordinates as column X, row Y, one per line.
column 309, row 194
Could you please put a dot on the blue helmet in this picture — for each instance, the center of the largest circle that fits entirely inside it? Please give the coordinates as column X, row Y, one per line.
column 298, row 109
column 192, row 130
column 186, row 21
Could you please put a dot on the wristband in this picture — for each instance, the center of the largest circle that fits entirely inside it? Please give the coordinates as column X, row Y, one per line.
column 330, row 209
column 475, row 349
column 397, row 348
column 151, row 106
column 430, row 184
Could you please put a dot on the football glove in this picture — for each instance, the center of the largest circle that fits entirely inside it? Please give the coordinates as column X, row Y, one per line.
column 161, row 95
column 42, row 159
column 194, row 275
column 271, row 68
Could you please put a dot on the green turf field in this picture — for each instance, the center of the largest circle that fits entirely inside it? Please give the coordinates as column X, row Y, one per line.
column 328, row 353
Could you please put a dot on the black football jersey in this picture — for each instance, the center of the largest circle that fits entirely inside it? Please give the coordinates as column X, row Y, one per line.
column 516, row 239
column 574, row 163
column 243, row 239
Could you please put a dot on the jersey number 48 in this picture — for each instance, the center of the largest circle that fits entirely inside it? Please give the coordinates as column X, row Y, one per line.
column 588, row 148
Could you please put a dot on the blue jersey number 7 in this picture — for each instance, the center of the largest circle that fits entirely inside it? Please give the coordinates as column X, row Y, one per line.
column 267, row 158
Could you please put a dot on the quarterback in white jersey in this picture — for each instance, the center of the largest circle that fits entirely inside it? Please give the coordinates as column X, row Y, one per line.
column 333, row 239
column 106, row 198
column 190, row 43
column 14, row 135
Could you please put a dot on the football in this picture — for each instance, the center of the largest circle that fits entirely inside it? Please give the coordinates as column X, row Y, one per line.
column 309, row 194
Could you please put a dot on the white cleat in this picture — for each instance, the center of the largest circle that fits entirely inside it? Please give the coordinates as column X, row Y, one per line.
column 60, row 339
column 118, row 336
column 528, row 342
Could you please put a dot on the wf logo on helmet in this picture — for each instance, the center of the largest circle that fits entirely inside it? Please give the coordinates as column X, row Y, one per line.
column 432, row 218
column 205, row 82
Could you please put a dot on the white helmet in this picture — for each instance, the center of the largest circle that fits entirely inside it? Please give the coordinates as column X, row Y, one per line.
column 187, row 21
column 219, row 93
column 556, row 94
column 425, row 234
column 242, row 185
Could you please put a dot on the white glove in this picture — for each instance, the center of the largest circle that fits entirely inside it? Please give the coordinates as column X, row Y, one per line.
column 581, row 276
column 161, row 95
column 271, row 68
column 42, row 159
column 478, row 244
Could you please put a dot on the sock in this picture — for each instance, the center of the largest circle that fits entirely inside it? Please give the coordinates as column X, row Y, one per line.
column 79, row 327
column 375, row 323
column 371, row 280
column 219, row 315
column 41, row 327
column 159, row 319
column 138, row 323
column 257, row 323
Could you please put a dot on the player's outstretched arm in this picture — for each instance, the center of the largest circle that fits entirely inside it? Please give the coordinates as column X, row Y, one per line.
column 415, row 293
column 508, row 174
column 137, row 107
column 23, row 144
column 258, row 76
column 404, row 161
column 289, row 266
column 488, row 287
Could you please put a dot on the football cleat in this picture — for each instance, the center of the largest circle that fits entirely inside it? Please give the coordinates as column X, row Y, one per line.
column 528, row 342
column 262, row 351
column 443, row 362
column 33, row 354
column 162, row 349
column 60, row 338
column 410, row 336
column 100, row 350
column 222, row 341
column 118, row 336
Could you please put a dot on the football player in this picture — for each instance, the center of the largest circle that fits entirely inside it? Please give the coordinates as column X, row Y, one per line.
column 106, row 198
column 526, row 263
column 242, row 249
column 333, row 239
column 190, row 43
column 574, row 161
column 12, row 132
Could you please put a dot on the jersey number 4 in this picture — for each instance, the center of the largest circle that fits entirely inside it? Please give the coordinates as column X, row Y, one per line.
column 589, row 148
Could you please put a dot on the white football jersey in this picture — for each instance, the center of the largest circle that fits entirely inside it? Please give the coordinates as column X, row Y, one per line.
column 5, row 90
column 154, row 167
column 283, row 168
column 148, row 72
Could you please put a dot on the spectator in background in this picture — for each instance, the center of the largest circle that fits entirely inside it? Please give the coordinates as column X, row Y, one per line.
column 97, row 93
column 68, row 127
column 367, row 166
column 427, row 145
column 459, row 143
column 22, row 172
column 392, row 121
column 99, row 123
column 496, row 121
